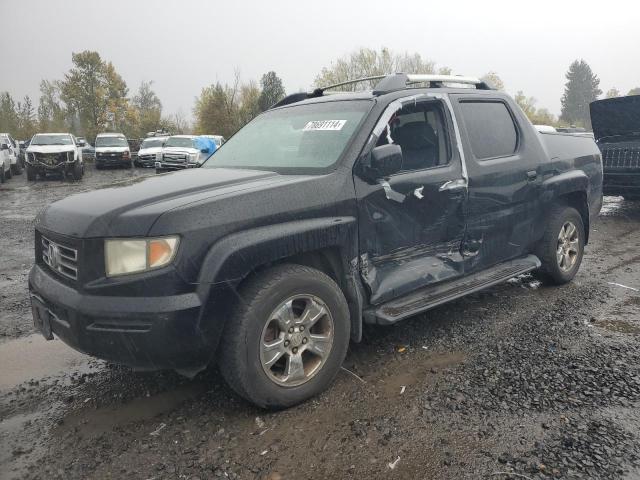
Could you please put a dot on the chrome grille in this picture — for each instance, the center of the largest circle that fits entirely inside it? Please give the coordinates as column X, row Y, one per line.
column 175, row 157
column 60, row 259
column 621, row 157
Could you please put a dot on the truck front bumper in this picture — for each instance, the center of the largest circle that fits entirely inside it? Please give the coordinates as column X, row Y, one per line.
column 142, row 332
column 168, row 165
column 626, row 184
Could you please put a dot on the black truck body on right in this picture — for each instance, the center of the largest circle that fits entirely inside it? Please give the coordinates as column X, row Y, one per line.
column 326, row 211
column 616, row 127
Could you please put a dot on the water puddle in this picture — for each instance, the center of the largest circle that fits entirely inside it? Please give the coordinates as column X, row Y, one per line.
column 34, row 358
column 618, row 326
column 409, row 377
column 18, row 449
column 89, row 422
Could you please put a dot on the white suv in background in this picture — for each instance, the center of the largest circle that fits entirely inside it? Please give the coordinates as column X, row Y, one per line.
column 5, row 162
column 112, row 149
column 14, row 153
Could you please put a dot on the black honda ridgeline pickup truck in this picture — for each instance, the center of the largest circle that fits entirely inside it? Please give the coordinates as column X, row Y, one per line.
column 322, row 213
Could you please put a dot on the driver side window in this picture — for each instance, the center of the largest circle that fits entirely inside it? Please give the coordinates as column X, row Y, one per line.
column 420, row 131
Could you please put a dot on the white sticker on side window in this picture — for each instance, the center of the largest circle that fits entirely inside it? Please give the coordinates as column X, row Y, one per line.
column 324, row 125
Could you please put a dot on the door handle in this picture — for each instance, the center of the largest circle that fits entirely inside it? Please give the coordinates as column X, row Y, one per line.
column 453, row 185
column 532, row 175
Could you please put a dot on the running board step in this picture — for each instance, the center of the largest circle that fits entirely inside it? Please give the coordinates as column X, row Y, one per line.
column 434, row 295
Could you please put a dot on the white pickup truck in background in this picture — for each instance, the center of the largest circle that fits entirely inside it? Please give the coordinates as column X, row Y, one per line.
column 54, row 153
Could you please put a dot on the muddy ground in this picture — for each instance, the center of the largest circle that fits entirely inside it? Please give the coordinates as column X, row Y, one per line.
column 520, row 381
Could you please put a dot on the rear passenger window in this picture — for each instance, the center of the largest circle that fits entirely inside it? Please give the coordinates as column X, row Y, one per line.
column 490, row 127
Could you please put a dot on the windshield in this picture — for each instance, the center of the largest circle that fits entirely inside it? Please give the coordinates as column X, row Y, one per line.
column 111, row 142
column 309, row 137
column 41, row 139
column 152, row 142
column 183, row 142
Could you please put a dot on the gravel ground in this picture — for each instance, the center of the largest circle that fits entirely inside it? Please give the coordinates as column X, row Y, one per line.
column 519, row 381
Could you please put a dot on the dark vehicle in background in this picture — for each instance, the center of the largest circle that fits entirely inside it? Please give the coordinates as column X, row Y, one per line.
column 616, row 126
column 58, row 153
column 112, row 150
column 149, row 150
column 323, row 213
column 88, row 151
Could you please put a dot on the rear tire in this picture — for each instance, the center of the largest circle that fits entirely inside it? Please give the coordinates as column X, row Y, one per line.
column 287, row 337
column 77, row 171
column 31, row 173
column 8, row 175
column 17, row 168
column 562, row 246
column 3, row 176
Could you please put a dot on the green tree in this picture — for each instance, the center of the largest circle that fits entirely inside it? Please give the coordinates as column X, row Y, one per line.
column 537, row 116
column 272, row 90
column 8, row 114
column 581, row 89
column 52, row 116
column 26, row 119
column 612, row 93
column 93, row 91
column 222, row 109
column 250, row 106
column 634, row 91
column 494, row 80
column 148, row 108
column 367, row 63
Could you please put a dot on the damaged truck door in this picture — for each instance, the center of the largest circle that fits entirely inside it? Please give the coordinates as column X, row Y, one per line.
column 412, row 221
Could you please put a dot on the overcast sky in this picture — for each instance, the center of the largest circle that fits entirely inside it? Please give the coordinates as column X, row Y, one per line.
column 185, row 45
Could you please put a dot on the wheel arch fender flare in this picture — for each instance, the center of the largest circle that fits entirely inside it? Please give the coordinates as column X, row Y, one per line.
column 569, row 187
column 231, row 259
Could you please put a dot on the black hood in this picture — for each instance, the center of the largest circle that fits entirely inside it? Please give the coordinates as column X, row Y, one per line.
column 131, row 208
column 615, row 116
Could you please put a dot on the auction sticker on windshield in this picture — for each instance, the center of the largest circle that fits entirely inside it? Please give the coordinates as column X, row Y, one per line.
column 324, row 125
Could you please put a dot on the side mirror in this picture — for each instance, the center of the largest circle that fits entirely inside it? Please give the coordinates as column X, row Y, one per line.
column 386, row 160
column 4, row 146
column 204, row 150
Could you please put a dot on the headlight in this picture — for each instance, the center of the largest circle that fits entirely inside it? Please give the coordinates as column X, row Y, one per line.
column 126, row 154
column 193, row 158
column 138, row 255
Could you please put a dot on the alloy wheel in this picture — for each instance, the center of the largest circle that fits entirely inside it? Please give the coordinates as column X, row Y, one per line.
column 296, row 340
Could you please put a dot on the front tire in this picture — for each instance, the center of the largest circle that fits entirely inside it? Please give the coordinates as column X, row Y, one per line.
column 287, row 338
column 31, row 173
column 77, row 171
column 562, row 246
column 9, row 173
column 17, row 168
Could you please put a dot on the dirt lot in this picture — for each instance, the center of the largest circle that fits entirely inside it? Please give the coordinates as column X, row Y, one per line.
column 539, row 381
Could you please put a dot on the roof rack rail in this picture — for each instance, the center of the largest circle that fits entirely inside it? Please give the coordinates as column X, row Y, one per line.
column 390, row 83
column 318, row 92
column 400, row 81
